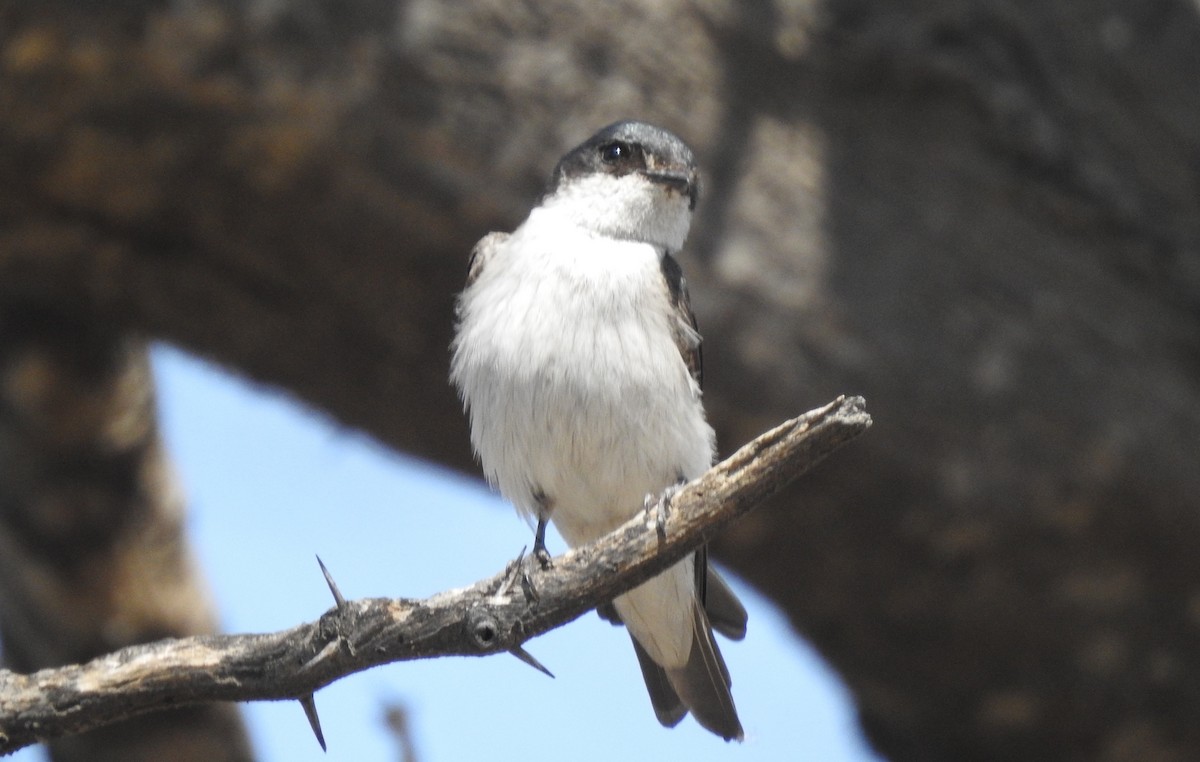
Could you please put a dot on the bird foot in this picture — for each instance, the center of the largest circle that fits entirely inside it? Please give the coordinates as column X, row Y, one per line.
column 659, row 508
column 539, row 545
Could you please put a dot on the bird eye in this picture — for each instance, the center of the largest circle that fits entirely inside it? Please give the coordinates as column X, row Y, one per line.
column 611, row 153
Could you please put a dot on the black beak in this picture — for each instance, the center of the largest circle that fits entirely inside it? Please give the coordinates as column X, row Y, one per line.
column 681, row 180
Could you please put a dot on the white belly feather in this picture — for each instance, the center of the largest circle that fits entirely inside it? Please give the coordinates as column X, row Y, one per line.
column 575, row 389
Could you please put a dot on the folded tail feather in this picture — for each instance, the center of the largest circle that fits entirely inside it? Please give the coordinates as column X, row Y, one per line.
column 702, row 685
column 725, row 612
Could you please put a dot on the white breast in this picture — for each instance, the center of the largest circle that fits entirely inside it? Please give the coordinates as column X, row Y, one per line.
column 574, row 386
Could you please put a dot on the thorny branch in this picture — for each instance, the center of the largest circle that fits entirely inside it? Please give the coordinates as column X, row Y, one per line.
column 492, row 616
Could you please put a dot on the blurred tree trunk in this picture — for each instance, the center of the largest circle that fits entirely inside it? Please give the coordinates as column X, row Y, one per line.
column 980, row 214
column 92, row 551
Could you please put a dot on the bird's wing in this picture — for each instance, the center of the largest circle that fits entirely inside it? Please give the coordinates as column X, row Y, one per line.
column 725, row 612
column 687, row 338
column 482, row 253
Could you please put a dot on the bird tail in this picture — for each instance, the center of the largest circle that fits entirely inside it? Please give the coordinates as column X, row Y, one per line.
column 700, row 686
column 700, row 683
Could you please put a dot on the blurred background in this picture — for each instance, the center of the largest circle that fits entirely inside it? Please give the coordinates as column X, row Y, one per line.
column 269, row 485
column 982, row 215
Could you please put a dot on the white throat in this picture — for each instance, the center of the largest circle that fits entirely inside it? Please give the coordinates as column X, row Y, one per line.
column 629, row 207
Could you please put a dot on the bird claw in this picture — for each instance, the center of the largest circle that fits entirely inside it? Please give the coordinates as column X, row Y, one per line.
column 660, row 508
column 539, row 545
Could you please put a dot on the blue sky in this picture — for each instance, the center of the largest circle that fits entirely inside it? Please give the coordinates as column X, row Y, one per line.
column 271, row 483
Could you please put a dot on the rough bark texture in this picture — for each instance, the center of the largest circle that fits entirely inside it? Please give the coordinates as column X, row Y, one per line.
column 494, row 615
column 981, row 214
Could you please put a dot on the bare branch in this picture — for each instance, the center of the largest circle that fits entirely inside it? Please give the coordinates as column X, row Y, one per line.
column 491, row 616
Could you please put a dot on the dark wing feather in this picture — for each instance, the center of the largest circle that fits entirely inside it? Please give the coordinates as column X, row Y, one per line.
column 725, row 612
column 483, row 252
column 668, row 707
column 687, row 337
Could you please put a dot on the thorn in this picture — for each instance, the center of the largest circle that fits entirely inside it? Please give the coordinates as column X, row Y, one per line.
column 516, row 571
column 528, row 587
column 529, row 659
column 513, row 573
column 333, row 588
column 325, row 653
column 309, row 703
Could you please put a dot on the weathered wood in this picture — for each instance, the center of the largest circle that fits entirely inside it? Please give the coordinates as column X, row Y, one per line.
column 492, row 616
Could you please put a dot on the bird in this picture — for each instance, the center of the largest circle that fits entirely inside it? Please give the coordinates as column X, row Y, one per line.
column 577, row 358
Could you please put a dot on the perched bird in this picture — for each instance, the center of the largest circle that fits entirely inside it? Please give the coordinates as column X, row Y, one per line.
column 578, row 362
